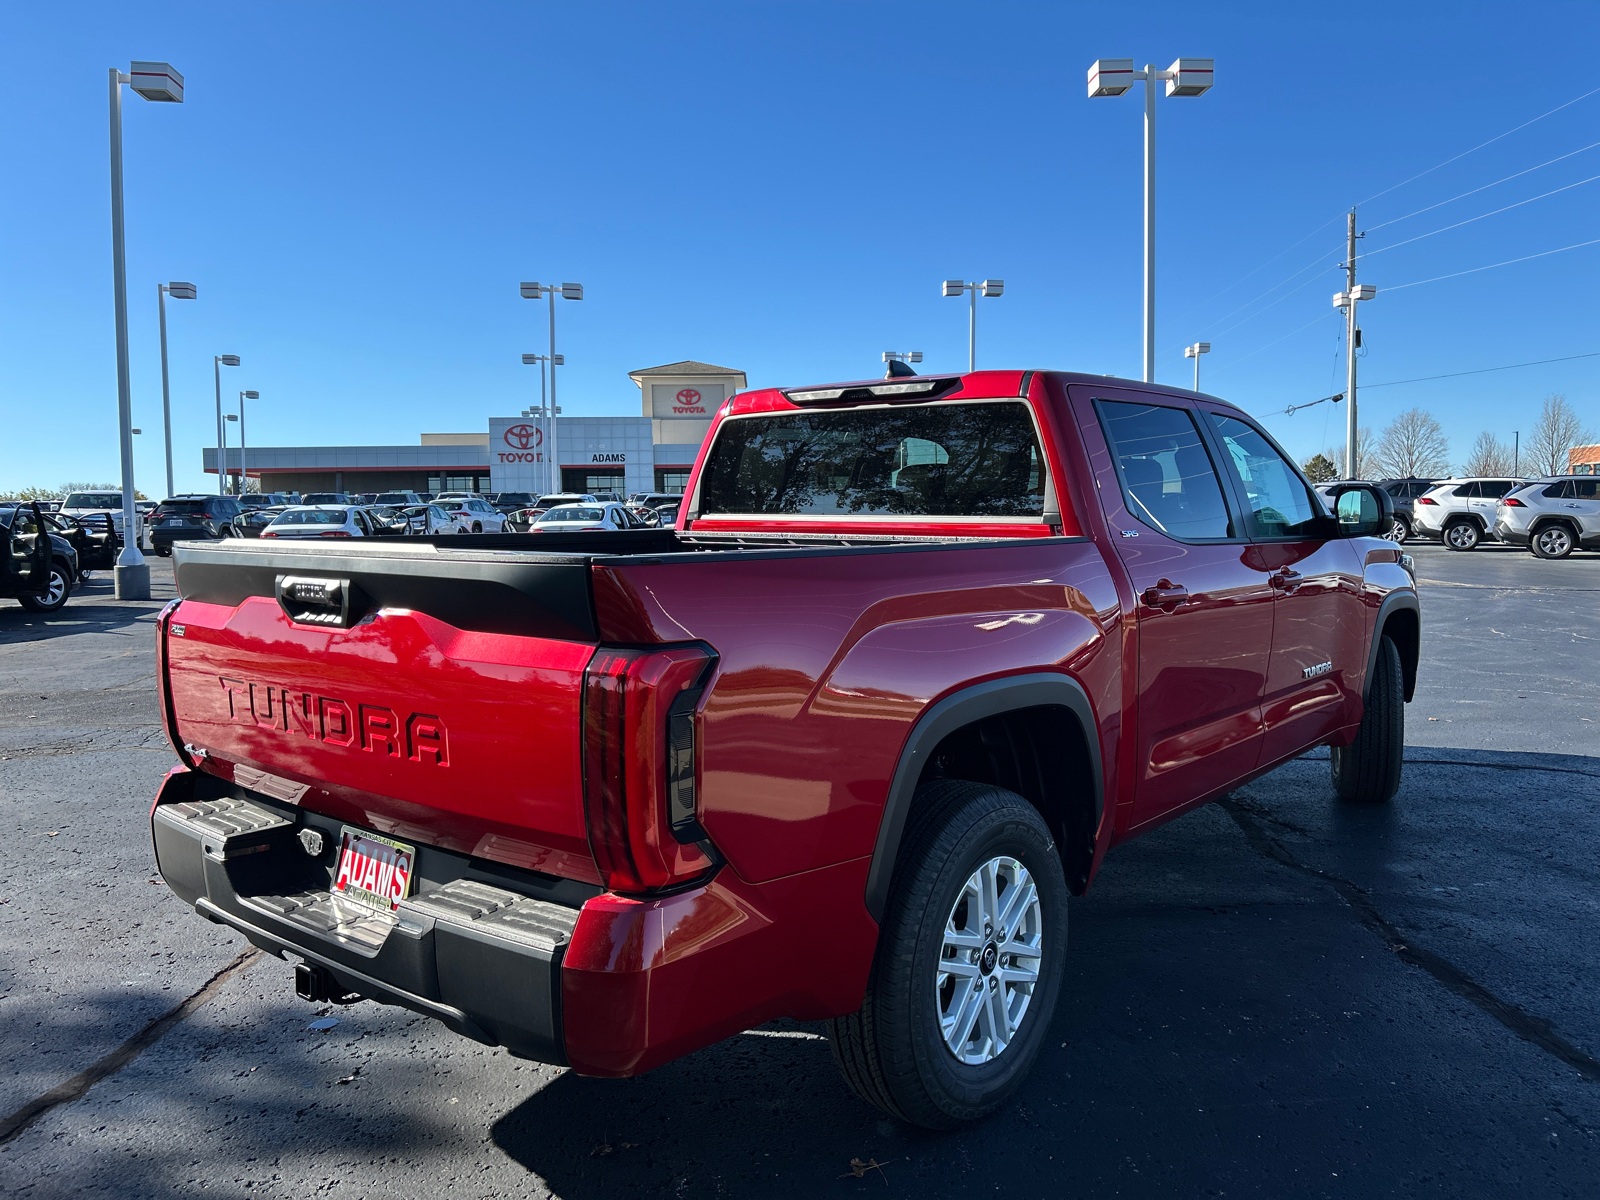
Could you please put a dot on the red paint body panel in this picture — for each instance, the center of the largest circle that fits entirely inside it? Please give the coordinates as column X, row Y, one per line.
column 823, row 664
column 505, row 785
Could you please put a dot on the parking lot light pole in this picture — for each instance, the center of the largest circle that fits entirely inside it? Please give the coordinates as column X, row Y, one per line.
column 545, row 411
column 988, row 287
column 226, row 483
column 218, row 361
column 1194, row 352
column 567, row 291
column 153, row 81
column 1185, row 77
column 244, row 478
column 178, row 291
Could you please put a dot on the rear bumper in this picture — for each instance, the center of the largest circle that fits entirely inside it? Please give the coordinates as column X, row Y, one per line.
column 1510, row 534
column 479, row 957
column 165, row 537
column 609, row 985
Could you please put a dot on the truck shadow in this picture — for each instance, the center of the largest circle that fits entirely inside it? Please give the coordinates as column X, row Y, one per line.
column 92, row 608
column 1227, row 1024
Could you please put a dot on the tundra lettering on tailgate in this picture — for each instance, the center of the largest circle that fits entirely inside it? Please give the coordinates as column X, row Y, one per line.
column 376, row 727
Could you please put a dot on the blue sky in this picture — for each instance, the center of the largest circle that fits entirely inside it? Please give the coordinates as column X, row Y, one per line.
column 358, row 189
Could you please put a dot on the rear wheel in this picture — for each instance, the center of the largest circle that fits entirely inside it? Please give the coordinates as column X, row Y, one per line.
column 1367, row 771
column 55, row 595
column 969, row 960
column 1463, row 535
column 1399, row 530
column 1553, row 541
column 476, row 527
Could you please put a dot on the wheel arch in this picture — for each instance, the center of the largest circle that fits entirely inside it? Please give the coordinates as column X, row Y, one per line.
column 1545, row 519
column 1035, row 734
column 1400, row 620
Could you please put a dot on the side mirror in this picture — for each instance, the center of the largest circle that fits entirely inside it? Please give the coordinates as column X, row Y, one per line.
column 1363, row 510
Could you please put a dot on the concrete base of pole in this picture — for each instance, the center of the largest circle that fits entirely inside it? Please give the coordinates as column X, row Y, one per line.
column 132, row 582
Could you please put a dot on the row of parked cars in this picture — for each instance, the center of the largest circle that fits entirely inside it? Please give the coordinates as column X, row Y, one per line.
column 1551, row 515
column 337, row 514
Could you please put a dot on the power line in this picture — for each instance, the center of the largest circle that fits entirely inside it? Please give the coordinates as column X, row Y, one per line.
column 1332, row 312
column 1481, row 370
column 1478, row 147
column 1476, row 190
column 1525, row 258
column 1314, row 262
column 1470, row 220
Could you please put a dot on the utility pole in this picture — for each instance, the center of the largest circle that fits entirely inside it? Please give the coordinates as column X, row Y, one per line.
column 1347, row 300
column 1351, row 429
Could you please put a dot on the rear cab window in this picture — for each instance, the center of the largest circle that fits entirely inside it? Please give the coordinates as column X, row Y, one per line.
column 964, row 462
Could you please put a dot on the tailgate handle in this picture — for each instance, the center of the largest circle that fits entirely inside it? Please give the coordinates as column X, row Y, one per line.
column 319, row 600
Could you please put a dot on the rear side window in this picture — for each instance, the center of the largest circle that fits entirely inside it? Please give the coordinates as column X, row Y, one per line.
column 937, row 460
column 1167, row 476
column 1467, row 491
column 1493, row 489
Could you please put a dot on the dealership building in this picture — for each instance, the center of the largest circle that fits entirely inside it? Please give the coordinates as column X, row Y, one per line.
column 652, row 452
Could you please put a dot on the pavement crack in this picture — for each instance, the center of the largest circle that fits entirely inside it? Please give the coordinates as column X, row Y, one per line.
column 1525, row 1025
column 72, row 1089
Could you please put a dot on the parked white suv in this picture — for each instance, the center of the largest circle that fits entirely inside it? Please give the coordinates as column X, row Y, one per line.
column 474, row 515
column 1552, row 517
column 1460, row 512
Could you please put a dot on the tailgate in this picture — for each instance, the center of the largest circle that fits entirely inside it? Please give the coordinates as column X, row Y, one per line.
column 433, row 695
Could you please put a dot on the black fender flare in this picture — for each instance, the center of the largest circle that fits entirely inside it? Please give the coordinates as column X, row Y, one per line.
column 1392, row 603
column 1033, row 690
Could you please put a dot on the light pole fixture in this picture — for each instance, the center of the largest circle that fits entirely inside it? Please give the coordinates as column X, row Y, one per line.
column 1185, row 77
column 1347, row 300
column 1194, row 352
column 545, row 411
column 218, row 361
column 154, row 81
column 987, row 287
column 567, row 291
column 244, row 479
column 178, row 291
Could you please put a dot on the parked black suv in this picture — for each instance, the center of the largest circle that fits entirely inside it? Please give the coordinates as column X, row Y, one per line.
column 37, row 568
column 187, row 518
column 1405, row 493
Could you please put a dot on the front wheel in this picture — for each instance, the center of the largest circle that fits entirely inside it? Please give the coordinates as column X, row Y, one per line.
column 1553, row 541
column 1463, row 535
column 1367, row 771
column 55, row 595
column 969, row 961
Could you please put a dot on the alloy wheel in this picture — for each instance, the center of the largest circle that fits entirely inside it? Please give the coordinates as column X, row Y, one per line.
column 990, row 960
column 58, row 587
column 1397, row 532
column 1555, row 541
column 1461, row 537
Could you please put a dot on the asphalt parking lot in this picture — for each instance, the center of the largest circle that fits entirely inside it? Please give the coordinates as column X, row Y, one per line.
column 1272, row 996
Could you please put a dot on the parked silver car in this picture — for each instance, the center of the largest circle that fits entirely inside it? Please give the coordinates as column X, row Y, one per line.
column 1460, row 512
column 588, row 518
column 1552, row 517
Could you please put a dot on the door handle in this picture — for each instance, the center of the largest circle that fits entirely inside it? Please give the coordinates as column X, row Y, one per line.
column 1286, row 580
column 1164, row 595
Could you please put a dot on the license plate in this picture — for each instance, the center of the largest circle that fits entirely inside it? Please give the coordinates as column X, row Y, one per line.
column 172, row 524
column 374, row 871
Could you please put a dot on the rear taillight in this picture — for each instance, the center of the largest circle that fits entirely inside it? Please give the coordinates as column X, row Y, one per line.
column 334, row 533
column 1513, row 502
column 1425, row 500
column 639, row 767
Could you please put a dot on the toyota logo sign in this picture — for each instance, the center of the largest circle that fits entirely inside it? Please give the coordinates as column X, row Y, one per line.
column 524, row 437
column 689, row 396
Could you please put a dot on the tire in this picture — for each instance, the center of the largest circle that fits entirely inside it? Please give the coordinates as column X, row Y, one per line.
column 1463, row 535
column 1553, row 541
column 476, row 527
column 56, row 597
column 894, row 1053
column 1367, row 771
column 1399, row 531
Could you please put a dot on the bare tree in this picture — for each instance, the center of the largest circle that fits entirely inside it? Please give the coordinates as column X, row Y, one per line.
column 1413, row 445
column 1490, row 456
column 1557, row 431
column 1364, row 455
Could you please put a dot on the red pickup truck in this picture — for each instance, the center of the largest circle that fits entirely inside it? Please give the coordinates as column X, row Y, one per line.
column 838, row 748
